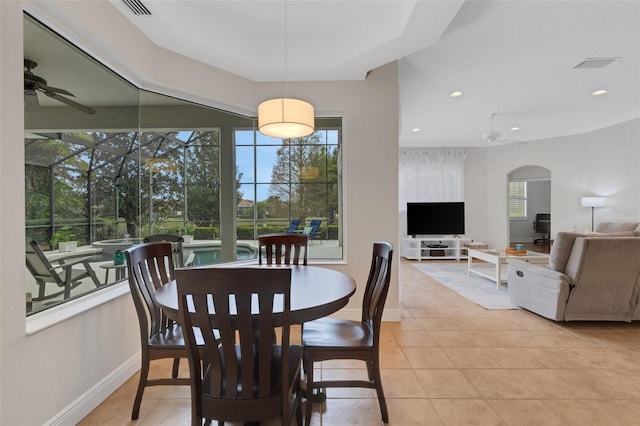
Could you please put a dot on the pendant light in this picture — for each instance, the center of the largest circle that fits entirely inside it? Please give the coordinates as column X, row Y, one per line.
column 285, row 117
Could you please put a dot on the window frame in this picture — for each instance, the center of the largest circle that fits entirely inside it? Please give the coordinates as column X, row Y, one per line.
column 512, row 198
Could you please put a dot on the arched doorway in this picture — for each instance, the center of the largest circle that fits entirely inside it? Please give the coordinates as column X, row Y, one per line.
column 528, row 195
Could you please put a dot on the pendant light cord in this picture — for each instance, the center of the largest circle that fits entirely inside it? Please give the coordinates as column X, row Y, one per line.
column 285, row 49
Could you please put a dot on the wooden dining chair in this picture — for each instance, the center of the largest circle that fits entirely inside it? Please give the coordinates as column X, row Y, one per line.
column 330, row 338
column 176, row 244
column 287, row 249
column 151, row 266
column 241, row 375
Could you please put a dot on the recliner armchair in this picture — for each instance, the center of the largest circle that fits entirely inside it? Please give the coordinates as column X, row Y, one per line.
column 589, row 278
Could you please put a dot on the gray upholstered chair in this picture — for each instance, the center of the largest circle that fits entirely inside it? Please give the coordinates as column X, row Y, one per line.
column 594, row 277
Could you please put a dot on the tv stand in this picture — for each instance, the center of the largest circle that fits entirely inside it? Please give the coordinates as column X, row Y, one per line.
column 434, row 247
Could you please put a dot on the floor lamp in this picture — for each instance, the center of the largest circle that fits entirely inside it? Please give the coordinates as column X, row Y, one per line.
column 592, row 202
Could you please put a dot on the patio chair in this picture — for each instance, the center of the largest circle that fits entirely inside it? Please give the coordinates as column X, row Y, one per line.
column 332, row 338
column 313, row 230
column 68, row 274
column 293, row 226
column 176, row 246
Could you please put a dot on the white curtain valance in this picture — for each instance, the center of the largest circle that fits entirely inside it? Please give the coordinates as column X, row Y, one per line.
column 431, row 175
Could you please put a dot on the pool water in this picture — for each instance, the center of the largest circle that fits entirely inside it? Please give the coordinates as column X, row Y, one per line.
column 203, row 256
column 209, row 256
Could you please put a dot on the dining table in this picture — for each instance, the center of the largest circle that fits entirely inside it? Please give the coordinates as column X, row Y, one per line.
column 316, row 292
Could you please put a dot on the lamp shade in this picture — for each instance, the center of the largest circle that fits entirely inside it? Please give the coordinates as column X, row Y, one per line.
column 592, row 202
column 286, row 118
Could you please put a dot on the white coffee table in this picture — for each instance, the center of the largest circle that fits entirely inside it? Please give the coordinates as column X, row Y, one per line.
column 494, row 259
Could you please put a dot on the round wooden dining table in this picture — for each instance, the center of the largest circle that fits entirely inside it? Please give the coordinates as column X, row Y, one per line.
column 315, row 292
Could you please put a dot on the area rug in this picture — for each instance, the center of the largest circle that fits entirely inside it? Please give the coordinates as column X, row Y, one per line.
column 477, row 289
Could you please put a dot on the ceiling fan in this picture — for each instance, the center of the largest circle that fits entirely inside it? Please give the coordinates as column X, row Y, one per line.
column 34, row 84
column 494, row 136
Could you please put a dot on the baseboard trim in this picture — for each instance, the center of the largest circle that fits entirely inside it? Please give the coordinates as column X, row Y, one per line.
column 87, row 402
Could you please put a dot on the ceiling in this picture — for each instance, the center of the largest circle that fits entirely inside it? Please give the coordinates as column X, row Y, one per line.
column 513, row 58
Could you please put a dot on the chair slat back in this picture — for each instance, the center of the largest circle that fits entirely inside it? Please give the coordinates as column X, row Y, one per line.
column 150, row 266
column 176, row 245
column 238, row 365
column 293, row 226
column 38, row 264
column 287, row 249
column 377, row 287
column 543, row 222
column 315, row 227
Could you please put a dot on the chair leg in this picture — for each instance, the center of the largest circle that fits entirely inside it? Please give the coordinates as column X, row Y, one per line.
column 144, row 374
column 378, row 381
column 308, row 370
column 67, row 290
column 41, row 290
column 176, row 366
column 299, row 408
column 67, row 283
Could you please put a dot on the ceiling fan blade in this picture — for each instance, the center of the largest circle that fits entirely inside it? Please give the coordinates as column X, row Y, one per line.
column 31, row 102
column 56, row 90
column 71, row 103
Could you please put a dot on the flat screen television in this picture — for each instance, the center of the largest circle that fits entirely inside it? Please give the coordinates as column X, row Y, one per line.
column 445, row 218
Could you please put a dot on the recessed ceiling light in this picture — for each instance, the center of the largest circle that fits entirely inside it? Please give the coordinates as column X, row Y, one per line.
column 456, row 94
column 415, row 129
column 599, row 92
column 515, row 129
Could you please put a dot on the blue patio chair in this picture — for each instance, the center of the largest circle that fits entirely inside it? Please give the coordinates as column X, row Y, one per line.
column 313, row 230
column 293, row 226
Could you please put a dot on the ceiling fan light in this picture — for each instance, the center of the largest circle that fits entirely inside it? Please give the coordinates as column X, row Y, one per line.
column 285, row 118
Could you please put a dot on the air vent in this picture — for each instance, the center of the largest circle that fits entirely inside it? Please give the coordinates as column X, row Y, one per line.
column 137, row 7
column 595, row 63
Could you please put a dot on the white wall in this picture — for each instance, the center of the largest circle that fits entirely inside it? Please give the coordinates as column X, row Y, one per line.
column 51, row 376
column 604, row 163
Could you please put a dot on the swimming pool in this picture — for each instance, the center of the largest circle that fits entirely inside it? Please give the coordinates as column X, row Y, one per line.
column 206, row 254
column 211, row 255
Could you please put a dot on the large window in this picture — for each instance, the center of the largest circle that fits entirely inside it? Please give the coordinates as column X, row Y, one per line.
column 118, row 164
column 290, row 179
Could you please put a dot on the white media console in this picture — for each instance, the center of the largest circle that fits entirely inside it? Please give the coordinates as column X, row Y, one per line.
column 434, row 247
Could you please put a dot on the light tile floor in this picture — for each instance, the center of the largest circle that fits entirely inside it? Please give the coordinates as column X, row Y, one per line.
column 451, row 362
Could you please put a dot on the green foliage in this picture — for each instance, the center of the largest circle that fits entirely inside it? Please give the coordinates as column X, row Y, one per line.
column 304, row 185
column 63, row 235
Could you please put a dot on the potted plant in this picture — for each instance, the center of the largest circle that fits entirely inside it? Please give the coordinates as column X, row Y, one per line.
column 188, row 233
column 65, row 239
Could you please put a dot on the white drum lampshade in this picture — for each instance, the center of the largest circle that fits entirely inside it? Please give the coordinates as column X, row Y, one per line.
column 286, row 118
column 592, row 202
